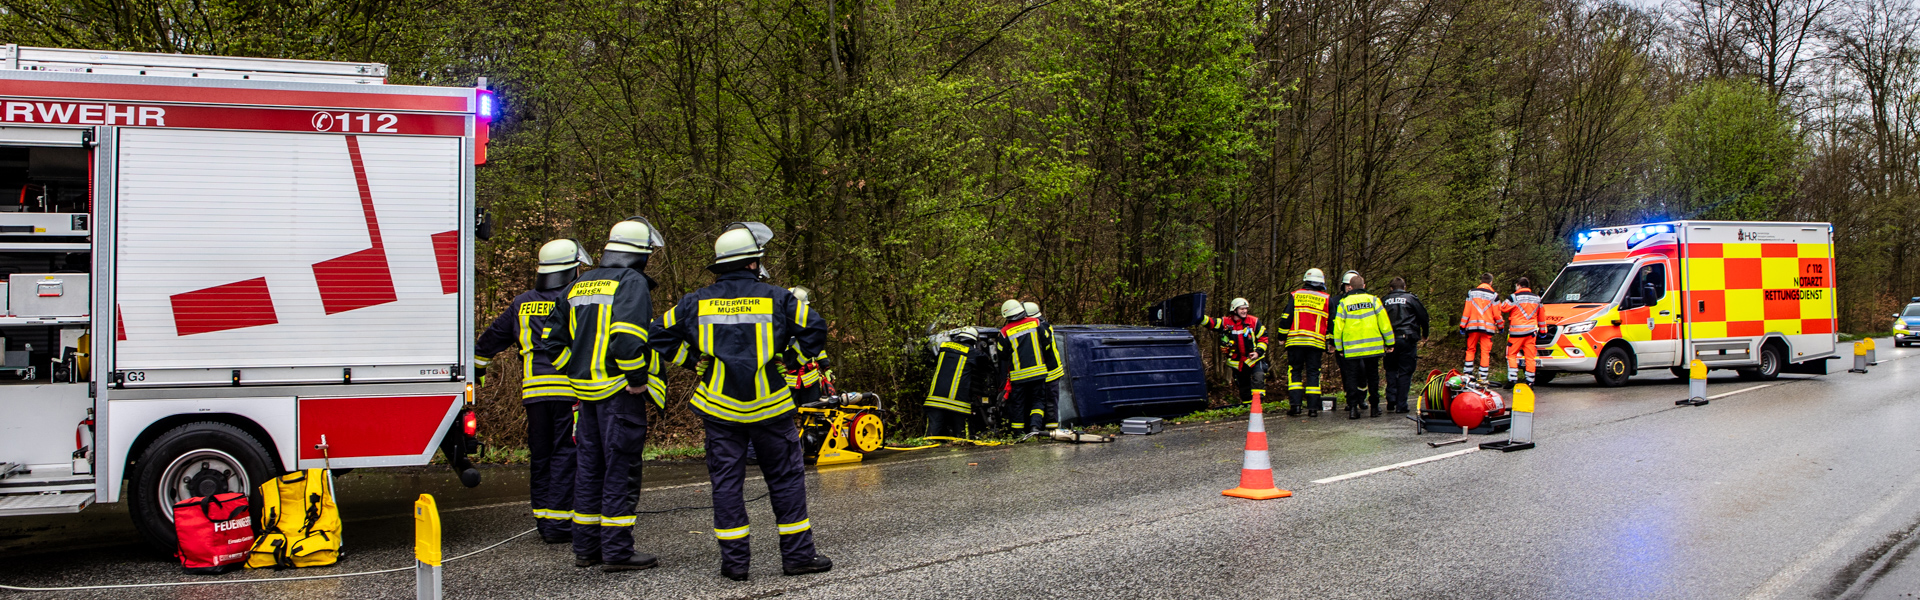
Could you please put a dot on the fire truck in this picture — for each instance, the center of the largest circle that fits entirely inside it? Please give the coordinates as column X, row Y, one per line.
column 1748, row 296
column 216, row 270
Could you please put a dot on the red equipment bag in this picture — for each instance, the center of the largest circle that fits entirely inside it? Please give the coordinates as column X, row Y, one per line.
column 215, row 533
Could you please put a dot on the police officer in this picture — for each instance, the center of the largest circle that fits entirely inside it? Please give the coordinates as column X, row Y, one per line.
column 545, row 392
column 1362, row 333
column 1409, row 319
column 1243, row 338
column 741, row 323
column 1056, row 365
column 602, row 347
column 1303, row 314
column 1023, row 352
column 949, row 403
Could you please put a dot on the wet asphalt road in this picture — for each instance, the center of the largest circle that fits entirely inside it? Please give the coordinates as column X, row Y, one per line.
column 1805, row 488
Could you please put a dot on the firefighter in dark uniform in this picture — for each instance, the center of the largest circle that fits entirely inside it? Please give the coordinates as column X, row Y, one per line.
column 545, row 392
column 1024, row 349
column 949, row 404
column 1056, row 364
column 742, row 398
column 602, row 348
column 803, row 371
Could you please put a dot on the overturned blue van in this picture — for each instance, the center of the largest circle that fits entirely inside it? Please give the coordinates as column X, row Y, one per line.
column 1120, row 371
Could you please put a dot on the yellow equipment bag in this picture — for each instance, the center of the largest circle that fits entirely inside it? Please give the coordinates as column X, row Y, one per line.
column 299, row 521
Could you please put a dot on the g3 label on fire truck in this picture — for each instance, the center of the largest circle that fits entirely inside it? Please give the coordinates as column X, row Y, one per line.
column 1756, row 297
column 216, row 270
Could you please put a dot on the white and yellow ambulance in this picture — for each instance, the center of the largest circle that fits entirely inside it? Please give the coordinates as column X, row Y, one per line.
column 1756, row 297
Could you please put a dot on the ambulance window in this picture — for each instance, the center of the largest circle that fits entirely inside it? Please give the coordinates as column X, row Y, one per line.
column 1651, row 276
column 1587, row 283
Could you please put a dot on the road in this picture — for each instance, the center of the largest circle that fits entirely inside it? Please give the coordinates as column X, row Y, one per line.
column 1799, row 488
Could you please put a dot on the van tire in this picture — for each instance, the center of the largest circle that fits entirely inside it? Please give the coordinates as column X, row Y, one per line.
column 1613, row 368
column 196, row 452
column 1772, row 359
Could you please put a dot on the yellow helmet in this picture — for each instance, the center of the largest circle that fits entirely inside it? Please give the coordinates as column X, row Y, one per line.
column 562, row 255
column 1012, row 309
column 634, row 235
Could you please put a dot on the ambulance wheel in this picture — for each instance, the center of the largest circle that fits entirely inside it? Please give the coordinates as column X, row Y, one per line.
column 1614, row 368
column 195, row 459
column 867, row 433
column 1770, row 360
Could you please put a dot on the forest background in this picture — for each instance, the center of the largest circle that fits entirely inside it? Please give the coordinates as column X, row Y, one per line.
column 923, row 160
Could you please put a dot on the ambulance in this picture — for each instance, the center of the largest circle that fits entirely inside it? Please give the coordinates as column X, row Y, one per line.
column 1749, row 296
column 218, row 269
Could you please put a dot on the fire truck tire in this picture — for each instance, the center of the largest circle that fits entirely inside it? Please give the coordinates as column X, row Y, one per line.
column 1614, row 367
column 1771, row 359
column 194, row 459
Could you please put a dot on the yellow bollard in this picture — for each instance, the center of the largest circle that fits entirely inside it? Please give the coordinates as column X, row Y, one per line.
column 1696, row 385
column 426, row 548
column 1520, row 429
column 1860, row 350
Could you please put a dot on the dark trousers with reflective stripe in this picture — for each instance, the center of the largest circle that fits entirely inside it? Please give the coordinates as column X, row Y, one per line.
column 1400, row 364
column 1032, row 406
column 1361, row 377
column 781, row 463
column 551, row 456
column 612, row 438
column 1247, row 380
column 950, row 423
column 1303, row 378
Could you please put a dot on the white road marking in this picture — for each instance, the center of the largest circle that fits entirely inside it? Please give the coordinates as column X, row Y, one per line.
column 1787, row 577
column 1740, row 391
column 1391, row 467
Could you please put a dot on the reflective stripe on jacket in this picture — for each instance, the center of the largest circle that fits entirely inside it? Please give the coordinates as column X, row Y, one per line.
column 1024, row 349
column 525, row 324
column 1522, row 312
column 741, row 323
column 602, row 346
column 949, row 389
column 1240, row 338
column 1480, row 314
column 1361, row 327
column 1056, row 366
column 1307, row 318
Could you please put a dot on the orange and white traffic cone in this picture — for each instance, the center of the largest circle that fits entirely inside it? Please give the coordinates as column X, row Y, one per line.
column 1256, row 471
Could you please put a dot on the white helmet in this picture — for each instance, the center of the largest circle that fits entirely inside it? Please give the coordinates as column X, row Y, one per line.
column 799, row 293
column 1237, row 304
column 1315, row 276
column 1346, row 278
column 1012, row 309
column 965, row 335
column 562, row 255
column 634, row 235
column 1032, row 308
column 741, row 241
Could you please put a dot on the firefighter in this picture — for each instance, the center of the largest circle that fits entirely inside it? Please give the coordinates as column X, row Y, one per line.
column 1409, row 319
column 740, row 323
column 803, row 371
column 1479, row 321
column 1303, row 314
column 1361, row 332
column 545, row 392
column 1522, row 314
column 950, row 399
column 602, row 348
column 1023, row 352
column 1056, row 366
column 1243, row 338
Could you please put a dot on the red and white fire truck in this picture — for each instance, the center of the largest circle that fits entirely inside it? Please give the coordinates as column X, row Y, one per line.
column 1754, row 297
column 216, row 270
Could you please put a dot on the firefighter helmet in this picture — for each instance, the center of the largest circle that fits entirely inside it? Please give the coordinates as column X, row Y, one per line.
column 1315, row 276
column 634, row 235
column 1032, row 308
column 562, row 255
column 966, row 335
column 1237, row 304
column 799, row 293
column 740, row 241
column 1012, row 309
column 1346, row 278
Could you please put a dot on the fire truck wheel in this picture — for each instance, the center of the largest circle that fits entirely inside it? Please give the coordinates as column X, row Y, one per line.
column 1614, row 368
column 195, row 459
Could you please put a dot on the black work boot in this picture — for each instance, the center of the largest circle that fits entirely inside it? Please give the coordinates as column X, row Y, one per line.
column 1373, row 408
column 639, row 561
column 1293, row 405
column 581, row 562
column 740, row 575
column 1353, row 409
column 819, row 564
